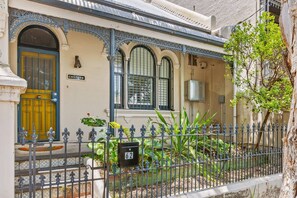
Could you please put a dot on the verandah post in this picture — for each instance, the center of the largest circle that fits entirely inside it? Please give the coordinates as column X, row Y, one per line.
column 111, row 59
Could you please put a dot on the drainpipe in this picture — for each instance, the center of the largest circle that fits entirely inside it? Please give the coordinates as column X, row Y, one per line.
column 234, row 95
column 111, row 59
column 182, row 78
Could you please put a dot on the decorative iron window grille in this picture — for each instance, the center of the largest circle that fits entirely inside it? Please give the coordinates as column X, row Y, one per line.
column 141, row 79
column 119, row 80
column 165, row 84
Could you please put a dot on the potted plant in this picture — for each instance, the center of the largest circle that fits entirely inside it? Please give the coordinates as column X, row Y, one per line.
column 98, row 124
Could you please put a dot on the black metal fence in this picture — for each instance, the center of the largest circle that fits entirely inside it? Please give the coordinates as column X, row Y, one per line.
column 151, row 162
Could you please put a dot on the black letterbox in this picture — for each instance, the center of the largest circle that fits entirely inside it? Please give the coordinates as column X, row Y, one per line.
column 128, row 154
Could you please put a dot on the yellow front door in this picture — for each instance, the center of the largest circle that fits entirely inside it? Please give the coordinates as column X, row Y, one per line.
column 38, row 104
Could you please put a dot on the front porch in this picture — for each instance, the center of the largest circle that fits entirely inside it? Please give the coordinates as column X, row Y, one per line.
column 104, row 51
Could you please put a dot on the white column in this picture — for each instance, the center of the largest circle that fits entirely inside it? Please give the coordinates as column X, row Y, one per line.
column 126, row 83
column 11, row 86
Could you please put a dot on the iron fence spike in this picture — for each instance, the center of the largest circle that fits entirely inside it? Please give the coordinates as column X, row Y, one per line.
column 51, row 135
column 79, row 135
column 132, row 131
column 153, row 131
column 143, row 130
column 121, row 132
column 65, row 135
column 92, row 135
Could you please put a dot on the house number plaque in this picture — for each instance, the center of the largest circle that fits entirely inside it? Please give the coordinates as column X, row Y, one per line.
column 75, row 77
column 128, row 154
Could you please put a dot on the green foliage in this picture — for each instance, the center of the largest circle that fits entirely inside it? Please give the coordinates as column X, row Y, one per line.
column 179, row 129
column 183, row 141
column 93, row 121
column 188, row 141
column 150, row 149
column 260, row 76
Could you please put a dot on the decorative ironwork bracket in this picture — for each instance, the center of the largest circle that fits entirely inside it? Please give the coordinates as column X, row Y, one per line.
column 20, row 18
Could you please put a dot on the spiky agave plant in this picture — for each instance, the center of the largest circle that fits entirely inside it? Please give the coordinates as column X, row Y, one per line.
column 189, row 141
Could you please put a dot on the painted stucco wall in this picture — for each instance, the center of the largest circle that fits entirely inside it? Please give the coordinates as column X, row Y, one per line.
column 77, row 98
column 215, row 85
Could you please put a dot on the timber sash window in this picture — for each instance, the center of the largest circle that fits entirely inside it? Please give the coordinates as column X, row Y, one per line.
column 141, row 79
column 139, row 83
column 164, row 84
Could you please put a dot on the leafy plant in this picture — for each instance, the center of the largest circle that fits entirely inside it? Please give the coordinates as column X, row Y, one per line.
column 183, row 141
column 262, row 81
column 187, row 141
column 93, row 121
column 149, row 148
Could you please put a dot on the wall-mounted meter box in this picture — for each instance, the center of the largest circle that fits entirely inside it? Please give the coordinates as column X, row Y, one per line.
column 196, row 90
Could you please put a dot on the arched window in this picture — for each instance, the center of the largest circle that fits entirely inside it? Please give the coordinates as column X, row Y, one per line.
column 38, row 37
column 119, row 80
column 165, row 84
column 141, row 79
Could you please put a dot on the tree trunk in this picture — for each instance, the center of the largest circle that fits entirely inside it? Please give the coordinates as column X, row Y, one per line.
column 289, row 186
column 262, row 129
column 288, row 28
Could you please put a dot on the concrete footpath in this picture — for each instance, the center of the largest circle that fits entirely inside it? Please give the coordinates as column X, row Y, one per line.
column 264, row 187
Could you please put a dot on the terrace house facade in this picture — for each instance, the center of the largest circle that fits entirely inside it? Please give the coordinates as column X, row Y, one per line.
column 118, row 60
column 114, row 59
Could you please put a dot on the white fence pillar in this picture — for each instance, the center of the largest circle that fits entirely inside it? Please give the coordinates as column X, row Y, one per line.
column 11, row 86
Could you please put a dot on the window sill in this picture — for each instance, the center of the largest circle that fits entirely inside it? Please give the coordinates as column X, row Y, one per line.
column 131, row 113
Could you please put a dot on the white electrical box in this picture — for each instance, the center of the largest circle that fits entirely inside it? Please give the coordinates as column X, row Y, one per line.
column 196, row 90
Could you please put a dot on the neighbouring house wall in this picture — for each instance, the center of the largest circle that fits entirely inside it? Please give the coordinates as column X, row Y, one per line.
column 227, row 12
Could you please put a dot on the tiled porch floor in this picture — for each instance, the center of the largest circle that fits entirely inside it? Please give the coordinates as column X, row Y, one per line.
column 72, row 148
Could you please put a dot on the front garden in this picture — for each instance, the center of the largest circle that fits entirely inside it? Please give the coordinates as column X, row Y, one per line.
column 181, row 156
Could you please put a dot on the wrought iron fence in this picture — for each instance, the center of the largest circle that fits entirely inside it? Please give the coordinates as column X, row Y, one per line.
column 152, row 162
